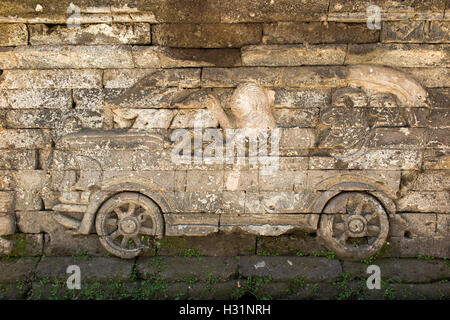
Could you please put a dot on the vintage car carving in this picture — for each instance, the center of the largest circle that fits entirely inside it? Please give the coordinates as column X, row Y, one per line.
column 123, row 185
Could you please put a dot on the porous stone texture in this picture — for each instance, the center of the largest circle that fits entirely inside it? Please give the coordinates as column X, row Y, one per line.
column 94, row 107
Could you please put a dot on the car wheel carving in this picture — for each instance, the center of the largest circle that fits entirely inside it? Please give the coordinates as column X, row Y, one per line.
column 127, row 222
column 354, row 225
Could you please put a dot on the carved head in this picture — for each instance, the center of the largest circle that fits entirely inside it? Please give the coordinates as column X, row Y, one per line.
column 251, row 106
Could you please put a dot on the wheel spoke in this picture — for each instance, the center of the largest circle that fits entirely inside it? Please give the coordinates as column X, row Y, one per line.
column 359, row 208
column 137, row 241
column 115, row 234
column 131, row 208
column 373, row 230
column 111, row 222
column 146, row 231
column 124, row 242
column 142, row 217
column 370, row 216
column 119, row 212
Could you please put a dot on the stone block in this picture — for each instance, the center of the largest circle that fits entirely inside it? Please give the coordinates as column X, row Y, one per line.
column 275, row 77
column 204, row 181
column 92, row 268
column 436, row 77
column 399, row 55
column 398, row 138
column 301, row 98
column 235, row 11
column 287, row 268
column 142, row 78
column 291, row 55
column 194, row 224
column 191, row 118
column 316, row 32
column 184, row 268
column 206, row 35
column 436, row 160
column 36, row 98
column 24, row 139
column 90, row 34
column 67, row 57
column 60, row 79
column 404, row 270
column 17, row 269
column 300, row 118
column 438, row 31
column 13, row 35
column 425, row 201
column 403, row 31
column 18, row 159
column 215, row 245
column 167, row 57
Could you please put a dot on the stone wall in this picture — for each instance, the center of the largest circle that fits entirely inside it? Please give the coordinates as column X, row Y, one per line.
column 148, row 66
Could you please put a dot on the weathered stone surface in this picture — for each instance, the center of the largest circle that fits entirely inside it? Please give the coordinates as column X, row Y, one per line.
column 443, row 224
column 117, row 33
column 425, row 201
column 283, row 180
column 439, row 32
column 92, row 268
column 279, row 77
column 402, row 138
column 425, row 246
column 399, row 55
column 430, row 77
column 17, row 269
column 190, row 118
column 143, row 118
column 291, row 55
column 206, row 35
column 288, row 118
column 182, row 268
column 24, row 138
column 403, row 31
column 426, row 181
column 267, row 224
column 301, row 98
column 285, row 268
column 258, row 11
column 7, row 205
column 36, row 98
column 204, row 180
column 318, row 32
column 439, row 118
column 323, row 180
column 26, row 245
column 296, row 139
column 278, row 202
column 13, row 35
column 407, row 270
column 438, row 138
column 36, row 79
column 370, row 159
column 88, row 98
column 166, row 57
column 215, row 245
column 436, row 159
column 298, row 243
column 141, row 78
column 66, row 57
column 18, row 159
column 196, row 224
column 414, row 225
column 392, row 10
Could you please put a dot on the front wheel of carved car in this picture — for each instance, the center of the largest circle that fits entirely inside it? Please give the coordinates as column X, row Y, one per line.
column 127, row 222
column 354, row 225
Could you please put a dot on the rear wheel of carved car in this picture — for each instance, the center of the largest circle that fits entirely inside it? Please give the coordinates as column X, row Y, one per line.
column 127, row 222
column 354, row 225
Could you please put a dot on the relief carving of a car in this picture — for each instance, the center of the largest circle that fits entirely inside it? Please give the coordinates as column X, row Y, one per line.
column 124, row 184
